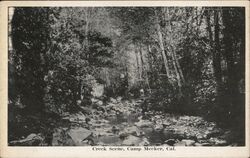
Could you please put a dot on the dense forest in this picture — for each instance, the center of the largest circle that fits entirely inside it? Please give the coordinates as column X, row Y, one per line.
column 126, row 76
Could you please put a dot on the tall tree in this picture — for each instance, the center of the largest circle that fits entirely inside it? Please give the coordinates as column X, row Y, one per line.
column 31, row 41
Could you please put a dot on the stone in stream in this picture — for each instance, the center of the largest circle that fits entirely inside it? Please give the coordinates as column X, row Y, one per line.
column 181, row 143
column 60, row 138
column 133, row 130
column 132, row 141
column 123, row 135
column 115, row 130
column 144, row 123
column 219, row 142
column 170, row 142
column 216, row 132
column 166, row 123
column 30, row 140
column 197, row 144
column 104, row 131
column 200, row 136
column 158, row 127
column 119, row 99
column 188, row 142
column 57, row 139
column 113, row 100
column 109, row 140
column 97, row 90
column 79, row 134
column 206, row 144
column 144, row 142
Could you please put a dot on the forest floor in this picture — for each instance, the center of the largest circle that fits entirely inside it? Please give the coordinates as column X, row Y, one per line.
column 121, row 122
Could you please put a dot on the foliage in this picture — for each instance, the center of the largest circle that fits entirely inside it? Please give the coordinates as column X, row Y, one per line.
column 62, row 64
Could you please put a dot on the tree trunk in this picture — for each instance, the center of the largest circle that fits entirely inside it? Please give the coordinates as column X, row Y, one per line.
column 158, row 27
column 86, row 28
column 215, row 49
column 176, row 64
column 138, row 64
column 216, row 54
column 229, row 54
column 143, row 68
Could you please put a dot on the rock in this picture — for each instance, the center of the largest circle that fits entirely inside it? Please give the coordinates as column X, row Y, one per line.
column 30, row 140
column 110, row 140
column 216, row 132
column 206, row 144
column 104, row 131
column 166, row 123
column 124, row 123
column 197, row 144
column 31, row 136
column 123, row 135
column 115, row 130
column 60, row 138
column 144, row 123
column 165, row 145
column 144, row 142
column 57, row 139
column 179, row 132
column 104, row 121
column 219, row 142
column 79, row 134
column 158, row 127
column 133, row 130
column 119, row 99
column 113, row 100
column 97, row 90
column 99, row 103
column 66, row 118
column 132, row 141
column 188, row 142
column 170, row 142
column 77, row 118
column 199, row 136
column 86, row 110
column 181, row 143
column 226, row 135
column 190, row 135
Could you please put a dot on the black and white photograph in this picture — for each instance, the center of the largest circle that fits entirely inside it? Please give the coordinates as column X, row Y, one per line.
column 137, row 76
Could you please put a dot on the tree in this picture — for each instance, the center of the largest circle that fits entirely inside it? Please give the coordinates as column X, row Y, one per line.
column 31, row 41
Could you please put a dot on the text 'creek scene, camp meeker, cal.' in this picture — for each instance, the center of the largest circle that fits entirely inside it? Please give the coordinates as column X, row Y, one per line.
column 126, row 76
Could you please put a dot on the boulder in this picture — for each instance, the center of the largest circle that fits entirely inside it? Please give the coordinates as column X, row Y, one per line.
column 170, row 142
column 166, row 123
column 158, row 127
column 214, row 133
column 133, row 130
column 60, row 138
column 144, row 142
column 188, row 142
column 113, row 100
column 115, row 130
column 206, row 144
column 119, row 99
column 79, row 134
column 132, row 141
column 97, row 90
column 181, row 143
column 30, row 140
column 99, row 103
column 57, row 139
column 218, row 142
column 197, row 144
column 144, row 123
